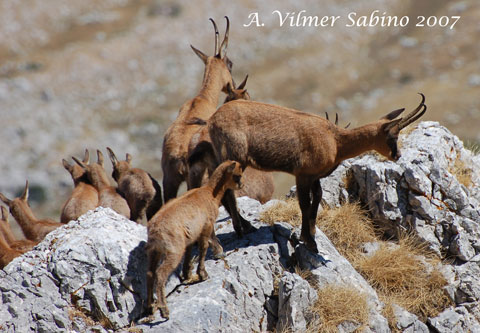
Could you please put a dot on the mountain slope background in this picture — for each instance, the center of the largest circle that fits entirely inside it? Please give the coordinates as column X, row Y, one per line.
column 114, row 73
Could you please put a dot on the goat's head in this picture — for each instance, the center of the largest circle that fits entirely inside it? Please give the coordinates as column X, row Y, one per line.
column 17, row 205
column 119, row 167
column 77, row 172
column 390, row 127
column 233, row 174
column 237, row 93
column 95, row 171
column 219, row 60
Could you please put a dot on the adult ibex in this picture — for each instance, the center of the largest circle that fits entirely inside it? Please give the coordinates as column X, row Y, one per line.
column 274, row 138
column 216, row 77
column 256, row 184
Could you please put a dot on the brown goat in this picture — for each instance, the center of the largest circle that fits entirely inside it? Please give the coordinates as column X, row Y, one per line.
column 84, row 196
column 273, row 138
column 107, row 194
column 139, row 188
column 33, row 228
column 181, row 223
column 258, row 184
column 22, row 245
column 216, row 77
column 7, row 254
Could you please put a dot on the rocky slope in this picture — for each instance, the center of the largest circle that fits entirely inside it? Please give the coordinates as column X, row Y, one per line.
column 90, row 274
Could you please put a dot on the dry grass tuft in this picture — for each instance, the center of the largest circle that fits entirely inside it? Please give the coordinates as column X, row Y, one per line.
column 286, row 211
column 76, row 313
column 462, row 172
column 348, row 227
column 400, row 277
column 337, row 304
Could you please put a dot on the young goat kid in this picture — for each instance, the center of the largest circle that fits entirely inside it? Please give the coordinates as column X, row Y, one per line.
column 107, row 194
column 139, row 188
column 273, row 138
column 33, row 228
column 181, row 223
column 22, row 245
column 257, row 184
column 84, row 196
column 216, row 77
column 7, row 254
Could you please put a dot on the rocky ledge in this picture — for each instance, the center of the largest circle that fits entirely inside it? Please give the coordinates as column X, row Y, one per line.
column 90, row 274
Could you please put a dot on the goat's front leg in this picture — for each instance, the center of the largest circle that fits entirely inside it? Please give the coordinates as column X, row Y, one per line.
column 304, row 186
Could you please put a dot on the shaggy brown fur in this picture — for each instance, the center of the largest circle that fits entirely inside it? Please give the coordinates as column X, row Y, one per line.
column 140, row 189
column 22, row 245
column 216, row 77
column 84, row 196
column 258, row 184
column 273, row 138
column 33, row 228
column 180, row 224
column 107, row 194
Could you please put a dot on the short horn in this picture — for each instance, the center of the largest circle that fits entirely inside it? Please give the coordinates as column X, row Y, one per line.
column 244, row 82
column 24, row 196
column 86, row 158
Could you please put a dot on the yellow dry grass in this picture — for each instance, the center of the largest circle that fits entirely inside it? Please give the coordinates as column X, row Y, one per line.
column 337, row 304
column 348, row 227
column 399, row 276
column 285, row 211
column 77, row 313
column 462, row 172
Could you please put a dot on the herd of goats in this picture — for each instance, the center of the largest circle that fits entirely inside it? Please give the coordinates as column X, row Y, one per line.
column 219, row 153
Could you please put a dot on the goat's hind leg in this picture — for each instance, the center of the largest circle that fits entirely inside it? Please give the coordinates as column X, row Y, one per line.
column 316, row 198
column 187, row 264
column 304, row 187
column 153, row 259
column 168, row 265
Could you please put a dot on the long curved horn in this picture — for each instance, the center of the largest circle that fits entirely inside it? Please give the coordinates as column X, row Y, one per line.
column 414, row 115
column 223, row 47
column 113, row 158
column 216, row 36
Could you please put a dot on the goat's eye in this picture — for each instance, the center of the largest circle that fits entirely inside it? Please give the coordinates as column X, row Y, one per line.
column 236, row 178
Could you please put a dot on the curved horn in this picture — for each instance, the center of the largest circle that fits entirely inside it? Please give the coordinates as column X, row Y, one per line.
column 86, row 158
column 223, row 47
column 113, row 158
column 80, row 163
column 336, row 119
column 216, row 36
column 414, row 115
column 99, row 157
column 244, row 82
column 24, row 196
column 326, row 115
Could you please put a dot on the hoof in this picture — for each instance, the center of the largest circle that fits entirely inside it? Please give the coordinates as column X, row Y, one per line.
column 192, row 279
column 310, row 243
column 165, row 313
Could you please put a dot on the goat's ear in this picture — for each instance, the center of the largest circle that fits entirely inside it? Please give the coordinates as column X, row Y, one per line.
column 231, row 167
column 80, row 163
column 86, row 158
column 128, row 158
column 24, row 196
column 66, row 165
column 5, row 199
column 113, row 158
column 200, row 54
column 391, row 124
column 4, row 214
column 394, row 114
column 99, row 157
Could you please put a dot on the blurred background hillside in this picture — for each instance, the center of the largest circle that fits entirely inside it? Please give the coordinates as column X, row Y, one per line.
column 92, row 74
